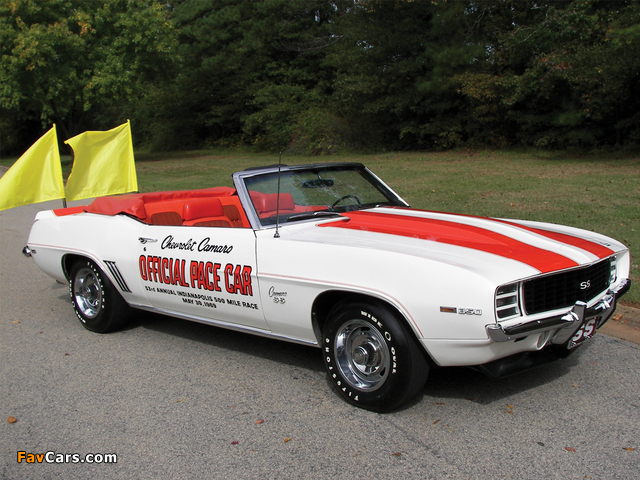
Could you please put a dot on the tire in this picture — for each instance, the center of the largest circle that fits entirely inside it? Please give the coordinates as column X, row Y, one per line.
column 98, row 305
column 372, row 361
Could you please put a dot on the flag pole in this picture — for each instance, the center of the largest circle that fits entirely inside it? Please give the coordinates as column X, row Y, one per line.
column 64, row 199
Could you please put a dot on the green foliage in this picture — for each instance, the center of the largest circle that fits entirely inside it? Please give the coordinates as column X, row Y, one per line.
column 319, row 132
column 250, row 68
column 71, row 61
column 270, row 127
column 394, row 69
column 319, row 76
column 566, row 74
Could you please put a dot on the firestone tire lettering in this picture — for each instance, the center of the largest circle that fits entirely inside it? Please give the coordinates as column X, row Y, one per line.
column 372, row 360
column 96, row 302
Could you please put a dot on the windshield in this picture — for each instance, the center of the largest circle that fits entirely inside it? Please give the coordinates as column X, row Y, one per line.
column 316, row 192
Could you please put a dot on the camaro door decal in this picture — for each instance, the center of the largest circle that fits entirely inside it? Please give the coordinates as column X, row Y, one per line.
column 456, row 234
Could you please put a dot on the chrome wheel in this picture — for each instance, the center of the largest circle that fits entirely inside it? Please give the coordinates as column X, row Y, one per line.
column 87, row 292
column 97, row 303
column 362, row 355
column 371, row 358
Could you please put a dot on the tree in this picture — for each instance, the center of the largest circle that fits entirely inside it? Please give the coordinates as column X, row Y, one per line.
column 318, row 75
column 561, row 74
column 395, row 70
column 78, row 62
column 252, row 68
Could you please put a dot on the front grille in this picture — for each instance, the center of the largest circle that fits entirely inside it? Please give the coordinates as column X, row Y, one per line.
column 564, row 289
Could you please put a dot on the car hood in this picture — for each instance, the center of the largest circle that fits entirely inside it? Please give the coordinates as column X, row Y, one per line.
column 526, row 248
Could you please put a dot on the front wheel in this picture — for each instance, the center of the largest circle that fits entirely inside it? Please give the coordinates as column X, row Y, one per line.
column 372, row 360
column 97, row 303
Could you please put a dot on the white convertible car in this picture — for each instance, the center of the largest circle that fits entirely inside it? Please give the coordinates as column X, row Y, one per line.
column 328, row 255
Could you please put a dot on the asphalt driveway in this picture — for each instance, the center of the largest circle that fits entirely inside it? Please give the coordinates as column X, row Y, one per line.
column 173, row 399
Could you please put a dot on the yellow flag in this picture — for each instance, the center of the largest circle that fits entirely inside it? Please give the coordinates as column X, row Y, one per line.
column 103, row 164
column 36, row 176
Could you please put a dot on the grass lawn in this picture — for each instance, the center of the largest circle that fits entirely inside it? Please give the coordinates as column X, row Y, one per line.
column 592, row 192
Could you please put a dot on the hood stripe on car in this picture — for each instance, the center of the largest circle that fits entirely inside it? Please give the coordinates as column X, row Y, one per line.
column 459, row 234
column 595, row 248
column 591, row 247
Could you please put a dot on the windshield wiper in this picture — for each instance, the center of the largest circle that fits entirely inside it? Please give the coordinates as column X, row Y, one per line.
column 317, row 214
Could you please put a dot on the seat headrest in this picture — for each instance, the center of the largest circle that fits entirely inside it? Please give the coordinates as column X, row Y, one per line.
column 202, row 208
column 268, row 202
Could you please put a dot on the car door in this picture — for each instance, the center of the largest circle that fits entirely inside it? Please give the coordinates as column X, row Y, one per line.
column 202, row 273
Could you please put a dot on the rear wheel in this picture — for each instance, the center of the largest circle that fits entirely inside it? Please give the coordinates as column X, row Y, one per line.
column 372, row 360
column 97, row 303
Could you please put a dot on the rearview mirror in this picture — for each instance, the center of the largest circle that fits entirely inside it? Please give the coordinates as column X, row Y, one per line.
column 318, row 183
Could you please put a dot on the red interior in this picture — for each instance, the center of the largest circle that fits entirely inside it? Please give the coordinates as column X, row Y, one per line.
column 169, row 208
column 218, row 206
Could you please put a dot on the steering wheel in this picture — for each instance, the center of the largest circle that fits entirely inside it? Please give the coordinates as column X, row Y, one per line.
column 344, row 198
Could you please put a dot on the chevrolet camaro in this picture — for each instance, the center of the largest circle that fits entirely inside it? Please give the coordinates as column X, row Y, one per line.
column 328, row 255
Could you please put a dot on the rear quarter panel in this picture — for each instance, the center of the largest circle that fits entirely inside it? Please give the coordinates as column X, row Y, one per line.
column 97, row 237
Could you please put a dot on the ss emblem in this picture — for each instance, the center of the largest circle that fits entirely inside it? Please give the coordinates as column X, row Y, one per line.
column 585, row 285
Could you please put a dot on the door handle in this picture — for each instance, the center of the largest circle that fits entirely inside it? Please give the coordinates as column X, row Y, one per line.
column 144, row 240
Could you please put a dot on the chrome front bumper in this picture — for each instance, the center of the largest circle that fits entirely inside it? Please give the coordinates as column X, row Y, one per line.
column 566, row 324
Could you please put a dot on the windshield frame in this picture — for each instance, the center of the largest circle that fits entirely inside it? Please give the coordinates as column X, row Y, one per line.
column 241, row 179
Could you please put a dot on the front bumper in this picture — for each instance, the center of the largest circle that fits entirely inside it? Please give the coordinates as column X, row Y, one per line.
column 566, row 324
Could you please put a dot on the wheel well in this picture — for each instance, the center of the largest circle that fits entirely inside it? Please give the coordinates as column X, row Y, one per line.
column 325, row 302
column 68, row 262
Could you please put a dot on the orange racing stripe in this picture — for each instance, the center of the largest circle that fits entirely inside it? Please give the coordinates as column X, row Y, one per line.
column 459, row 234
column 597, row 249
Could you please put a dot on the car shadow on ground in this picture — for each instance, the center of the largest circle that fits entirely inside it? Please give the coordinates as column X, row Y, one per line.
column 451, row 382
column 461, row 383
column 307, row 357
column 473, row 385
